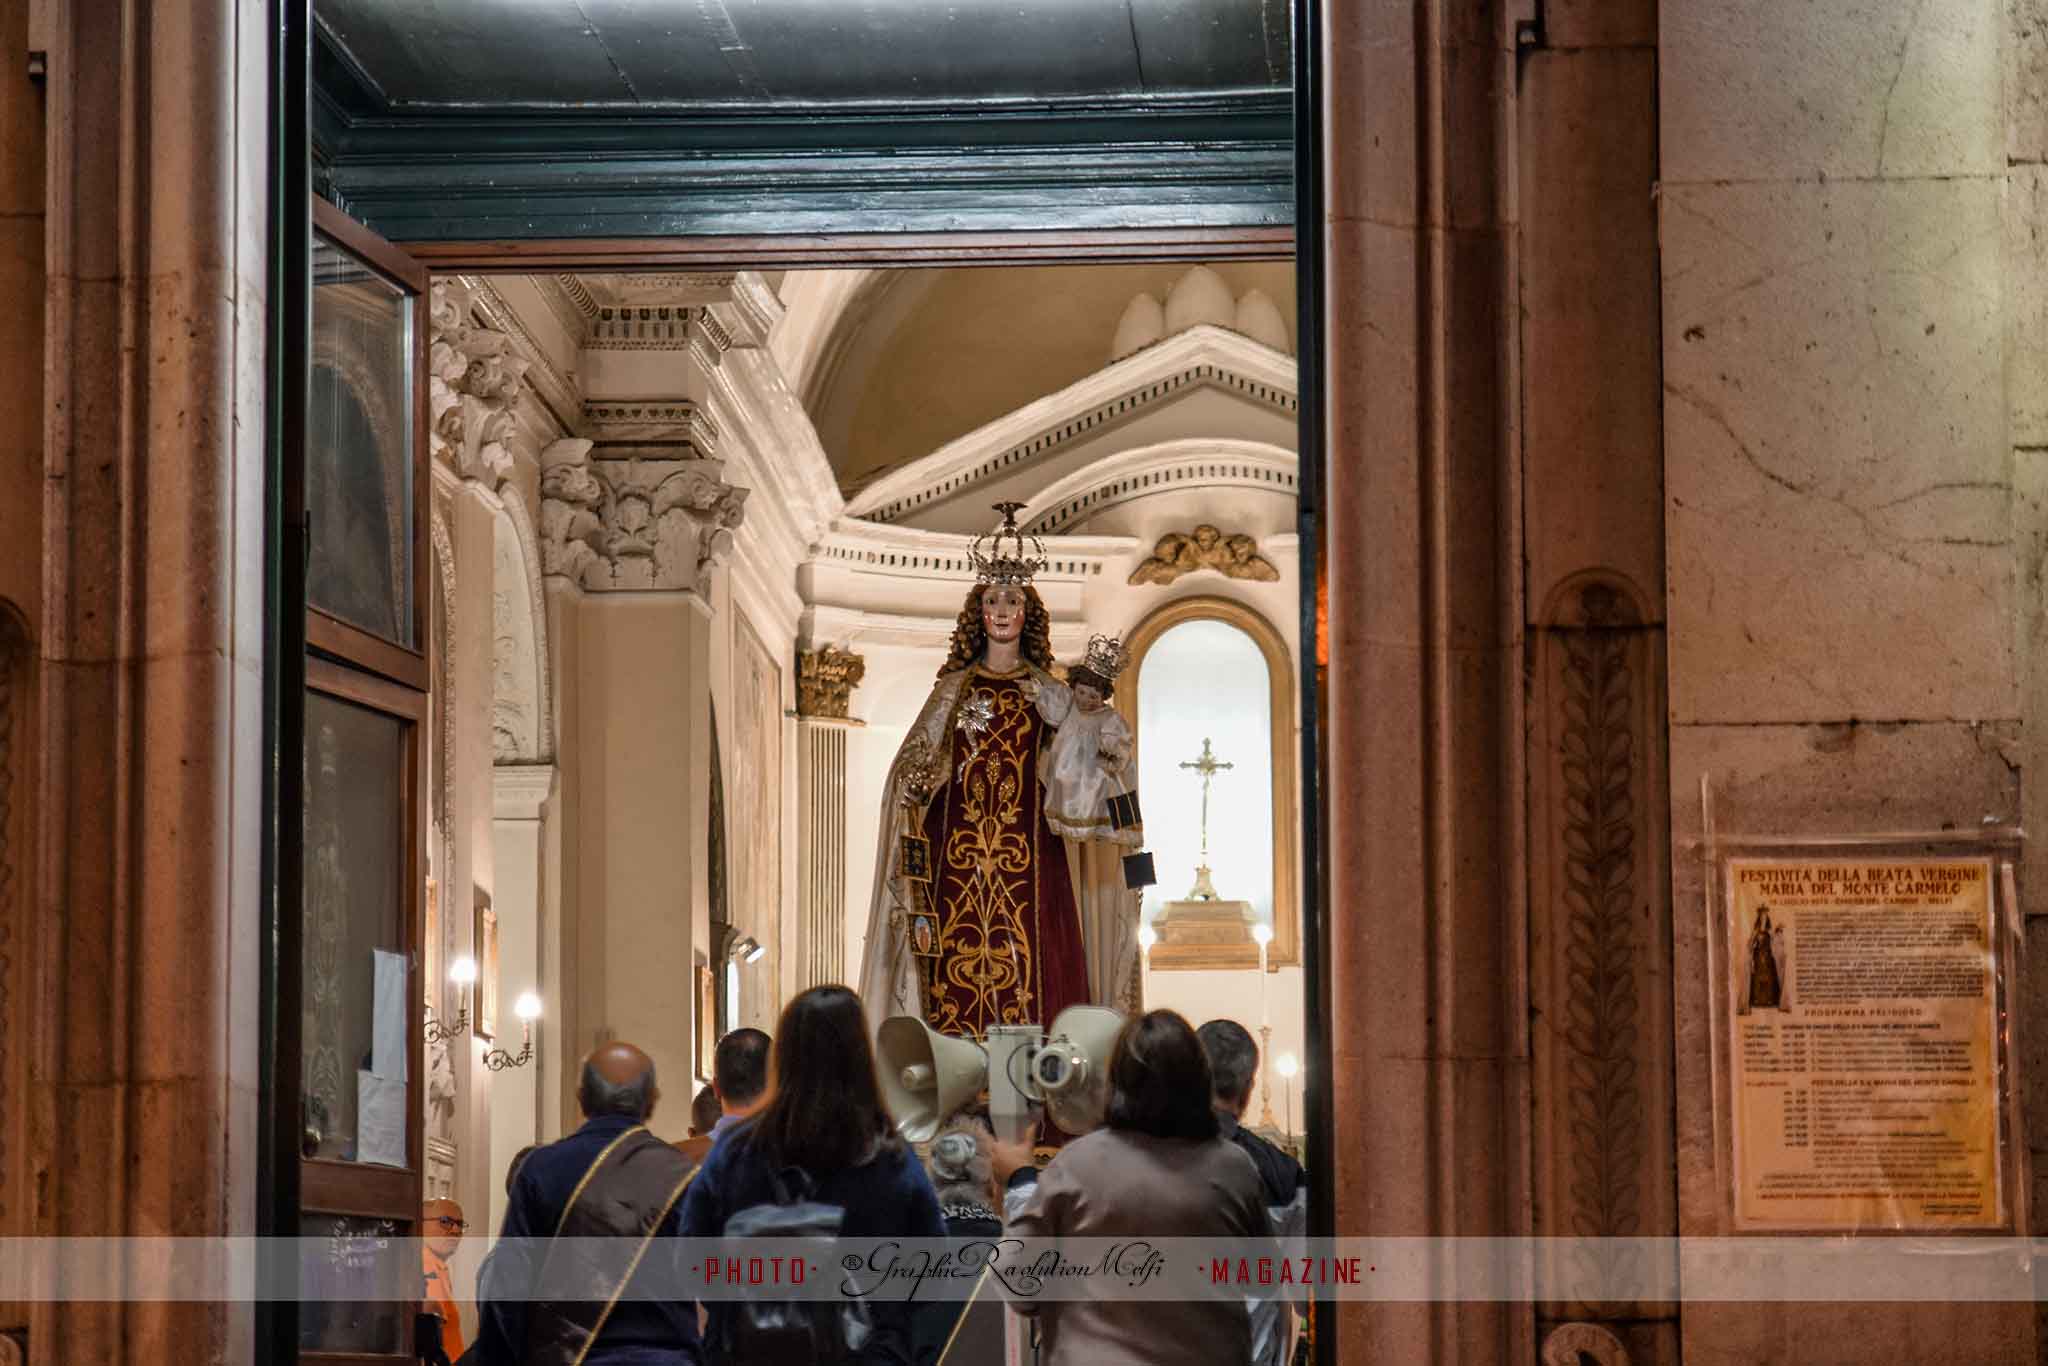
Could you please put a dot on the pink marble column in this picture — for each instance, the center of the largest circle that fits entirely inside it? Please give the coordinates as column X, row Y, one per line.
column 1430, row 1053
column 144, row 1081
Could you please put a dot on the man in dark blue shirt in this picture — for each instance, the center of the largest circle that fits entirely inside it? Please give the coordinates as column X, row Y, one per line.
column 611, row 1178
column 1233, row 1064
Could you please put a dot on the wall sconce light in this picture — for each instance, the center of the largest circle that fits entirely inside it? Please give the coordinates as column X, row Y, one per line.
column 745, row 949
column 527, row 1008
column 462, row 972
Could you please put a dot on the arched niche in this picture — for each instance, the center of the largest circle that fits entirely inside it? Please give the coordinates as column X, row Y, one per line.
column 1285, row 949
column 522, row 716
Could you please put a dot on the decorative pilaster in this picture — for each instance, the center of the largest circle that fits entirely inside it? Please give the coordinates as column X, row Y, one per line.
column 825, row 680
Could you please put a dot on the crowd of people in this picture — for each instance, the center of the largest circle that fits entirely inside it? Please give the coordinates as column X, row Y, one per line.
column 791, row 1138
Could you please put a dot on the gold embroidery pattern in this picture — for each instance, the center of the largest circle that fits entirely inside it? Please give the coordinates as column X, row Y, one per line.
column 987, row 965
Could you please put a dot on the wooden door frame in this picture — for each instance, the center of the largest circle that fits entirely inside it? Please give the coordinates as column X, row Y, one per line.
column 1107, row 246
column 289, row 324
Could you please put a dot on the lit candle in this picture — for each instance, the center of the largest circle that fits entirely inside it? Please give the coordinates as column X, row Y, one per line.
column 1289, row 1065
column 1264, row 934
column 1147, row 937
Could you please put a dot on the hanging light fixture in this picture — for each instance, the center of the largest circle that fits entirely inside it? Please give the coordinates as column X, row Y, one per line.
column 527, row 1008
column 462, row 972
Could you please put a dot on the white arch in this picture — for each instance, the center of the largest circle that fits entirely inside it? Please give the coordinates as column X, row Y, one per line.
column 1208, row 462
column 522, row 709
column 815, row 303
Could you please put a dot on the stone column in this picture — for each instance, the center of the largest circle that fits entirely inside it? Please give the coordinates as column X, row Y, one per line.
column 825, row 680
column 148, row 924
column 520, row 793
column 1429, row 1050
column 628, row 546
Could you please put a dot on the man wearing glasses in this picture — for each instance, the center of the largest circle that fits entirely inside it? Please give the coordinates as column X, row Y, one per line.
column 441, row 1230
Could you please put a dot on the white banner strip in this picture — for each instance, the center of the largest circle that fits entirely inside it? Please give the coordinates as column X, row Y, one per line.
column 350, row 1268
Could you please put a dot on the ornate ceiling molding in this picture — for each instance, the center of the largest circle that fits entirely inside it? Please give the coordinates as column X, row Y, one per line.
column 1200, row 356
column 1146, row 471
column 906, row 552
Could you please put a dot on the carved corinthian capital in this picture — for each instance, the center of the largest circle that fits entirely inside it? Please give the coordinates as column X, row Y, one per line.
column 825, row 680
column 634, row 524
column 473, row 378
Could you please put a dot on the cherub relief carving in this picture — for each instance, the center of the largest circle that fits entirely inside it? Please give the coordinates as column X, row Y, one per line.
column 1180, row 553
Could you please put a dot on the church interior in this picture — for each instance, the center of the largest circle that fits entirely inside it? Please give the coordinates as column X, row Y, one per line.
column 700, row 541
column 1497, row 544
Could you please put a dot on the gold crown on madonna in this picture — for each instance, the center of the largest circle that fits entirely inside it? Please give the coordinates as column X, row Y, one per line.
column 1012, row 557
column 1105, row 658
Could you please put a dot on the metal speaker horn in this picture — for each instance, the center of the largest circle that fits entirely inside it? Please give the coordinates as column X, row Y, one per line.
column 925, row 1075
column 1071, row 1070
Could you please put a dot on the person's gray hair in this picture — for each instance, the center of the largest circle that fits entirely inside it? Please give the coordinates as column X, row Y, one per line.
column 632, row 1099
column 960, row 1161
column 1233, row 1059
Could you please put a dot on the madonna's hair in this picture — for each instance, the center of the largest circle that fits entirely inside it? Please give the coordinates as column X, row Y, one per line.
column 970, row 637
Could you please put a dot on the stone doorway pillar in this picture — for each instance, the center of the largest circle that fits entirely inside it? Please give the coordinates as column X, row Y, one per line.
column 144, row 961
column 1429, row 1040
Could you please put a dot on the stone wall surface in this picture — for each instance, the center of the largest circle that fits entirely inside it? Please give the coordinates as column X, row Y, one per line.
column 1849, row 309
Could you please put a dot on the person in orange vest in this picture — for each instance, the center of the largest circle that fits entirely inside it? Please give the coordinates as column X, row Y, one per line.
column 441, row 1230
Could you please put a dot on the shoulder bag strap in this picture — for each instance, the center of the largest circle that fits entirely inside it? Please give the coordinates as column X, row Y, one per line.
column 570, row 1203
column 633, row 1266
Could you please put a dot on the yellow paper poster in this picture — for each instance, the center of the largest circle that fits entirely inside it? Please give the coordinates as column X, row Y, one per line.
column 1864, row 1074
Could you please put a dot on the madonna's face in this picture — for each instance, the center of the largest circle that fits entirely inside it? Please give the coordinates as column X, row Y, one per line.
column 1002, row 613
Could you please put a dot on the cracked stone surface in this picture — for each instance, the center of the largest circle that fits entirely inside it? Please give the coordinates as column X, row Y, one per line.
column 1838, row 476
column 2026, row 248
column 1765, row 90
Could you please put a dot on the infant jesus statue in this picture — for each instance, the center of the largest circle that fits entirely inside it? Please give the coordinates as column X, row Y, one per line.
column 1090, row 752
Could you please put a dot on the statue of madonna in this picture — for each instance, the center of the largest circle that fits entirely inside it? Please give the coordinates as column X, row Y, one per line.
column 975, row 920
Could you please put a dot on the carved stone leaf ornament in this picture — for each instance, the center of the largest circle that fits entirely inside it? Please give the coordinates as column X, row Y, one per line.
column 637, row 524
column 1600, row 1026
column 473, row 378
column 1178, row 554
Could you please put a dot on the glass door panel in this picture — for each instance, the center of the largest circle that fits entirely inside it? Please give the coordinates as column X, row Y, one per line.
column 359, row 448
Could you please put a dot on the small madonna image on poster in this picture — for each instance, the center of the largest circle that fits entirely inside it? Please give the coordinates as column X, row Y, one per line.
column 1864, row 1076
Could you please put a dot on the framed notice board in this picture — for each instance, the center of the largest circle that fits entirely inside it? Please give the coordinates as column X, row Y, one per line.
column 1863, row 1074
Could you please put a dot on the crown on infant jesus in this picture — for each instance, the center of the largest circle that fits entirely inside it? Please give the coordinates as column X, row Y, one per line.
column 1008, row 560
column 1105, row 658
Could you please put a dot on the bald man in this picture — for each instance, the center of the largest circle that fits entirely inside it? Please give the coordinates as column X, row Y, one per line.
column 609, row 1179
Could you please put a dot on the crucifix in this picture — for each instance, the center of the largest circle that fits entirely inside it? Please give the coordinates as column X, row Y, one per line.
column 1208, row 766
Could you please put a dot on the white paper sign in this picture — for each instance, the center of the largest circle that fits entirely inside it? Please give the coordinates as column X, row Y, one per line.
column 380, row 1120
column 387, row 1005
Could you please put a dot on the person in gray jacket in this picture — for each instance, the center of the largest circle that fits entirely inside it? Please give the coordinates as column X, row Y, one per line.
column 1159, row 1168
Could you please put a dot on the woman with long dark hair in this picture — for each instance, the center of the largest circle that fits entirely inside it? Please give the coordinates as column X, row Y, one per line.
column 823, row 1138
column 1159, row 1168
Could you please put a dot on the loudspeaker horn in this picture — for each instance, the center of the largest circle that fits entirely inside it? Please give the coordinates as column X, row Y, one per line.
column 1071, row 1071
column 925, row 1075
